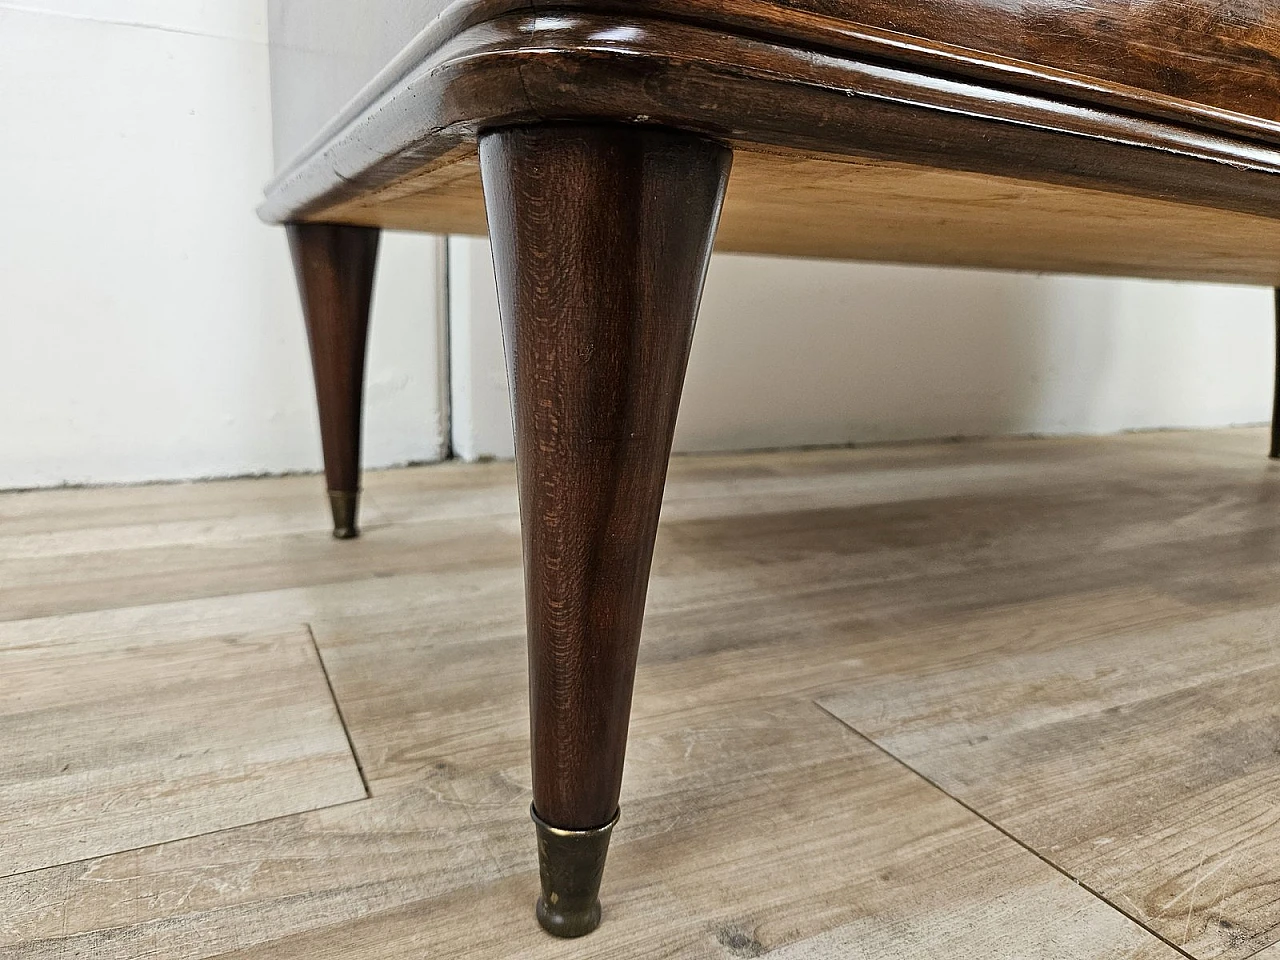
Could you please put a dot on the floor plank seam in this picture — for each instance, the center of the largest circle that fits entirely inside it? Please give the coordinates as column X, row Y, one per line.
column 185, row 838
column 991, row 823
column 333, row 696
column 7, row 620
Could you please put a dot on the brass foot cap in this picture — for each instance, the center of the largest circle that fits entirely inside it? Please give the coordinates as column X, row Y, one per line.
column 344, row 506
column 570, row 865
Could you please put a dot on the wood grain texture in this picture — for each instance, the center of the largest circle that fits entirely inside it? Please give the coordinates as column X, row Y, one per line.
column 1174, row 59
column 1143, row 763
column 123, row 743
column 522, row 69
column 334, row 265
column 447, row 869
column 997, row 902
column 874, row 210
column 752, row 820
column 601, row 240
column 1220, row 55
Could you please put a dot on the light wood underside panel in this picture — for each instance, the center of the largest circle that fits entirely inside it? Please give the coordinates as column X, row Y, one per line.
column 752, row 820
column 121, row 743
column 876, row 210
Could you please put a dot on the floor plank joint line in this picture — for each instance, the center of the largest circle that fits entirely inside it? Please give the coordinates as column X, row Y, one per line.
column 337, row 706
column 991, row 823
column 232, row 831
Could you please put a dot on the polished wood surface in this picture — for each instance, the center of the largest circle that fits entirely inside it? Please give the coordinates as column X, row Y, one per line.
column 786, row 106
column 1196, row 61
column 114, row 744
column 1202, row 52
column 597, row 315
column 334, row 265
column 754, row 821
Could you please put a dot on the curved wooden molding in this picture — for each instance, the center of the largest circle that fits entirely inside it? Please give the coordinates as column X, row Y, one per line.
column 1234, row 88
column 524, row 68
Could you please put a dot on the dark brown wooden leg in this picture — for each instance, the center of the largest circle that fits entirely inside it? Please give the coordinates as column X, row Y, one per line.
column 1275, row 394
column 601, row 237
column 334, row 265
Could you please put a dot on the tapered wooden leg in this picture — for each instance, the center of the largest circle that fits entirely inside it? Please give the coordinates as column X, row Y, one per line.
column 601, row 237
column 1275, row 395
column 334, row 265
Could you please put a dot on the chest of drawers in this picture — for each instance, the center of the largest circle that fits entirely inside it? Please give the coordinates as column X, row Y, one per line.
column 606, row 147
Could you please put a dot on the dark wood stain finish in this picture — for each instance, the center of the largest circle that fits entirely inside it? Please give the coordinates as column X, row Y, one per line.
column 752, row 92
column 334, row 266
column 1218, row 54
column 1196, row 61
column 601, row 238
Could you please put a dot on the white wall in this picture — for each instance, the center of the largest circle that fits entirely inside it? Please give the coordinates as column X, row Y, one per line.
column 795, row 352
column 149, row 326
column 150, row 330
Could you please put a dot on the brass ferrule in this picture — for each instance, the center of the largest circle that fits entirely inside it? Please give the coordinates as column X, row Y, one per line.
column 570, row 865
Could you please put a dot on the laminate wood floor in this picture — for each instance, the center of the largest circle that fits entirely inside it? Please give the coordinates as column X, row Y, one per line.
column 1052, row 659
column 114, row 743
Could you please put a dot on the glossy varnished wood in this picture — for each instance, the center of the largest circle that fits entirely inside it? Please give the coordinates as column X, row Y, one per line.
column 1200, row 52
column 601, row 238
column 1195, row 61
column 787, row 105
column 334, row 265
